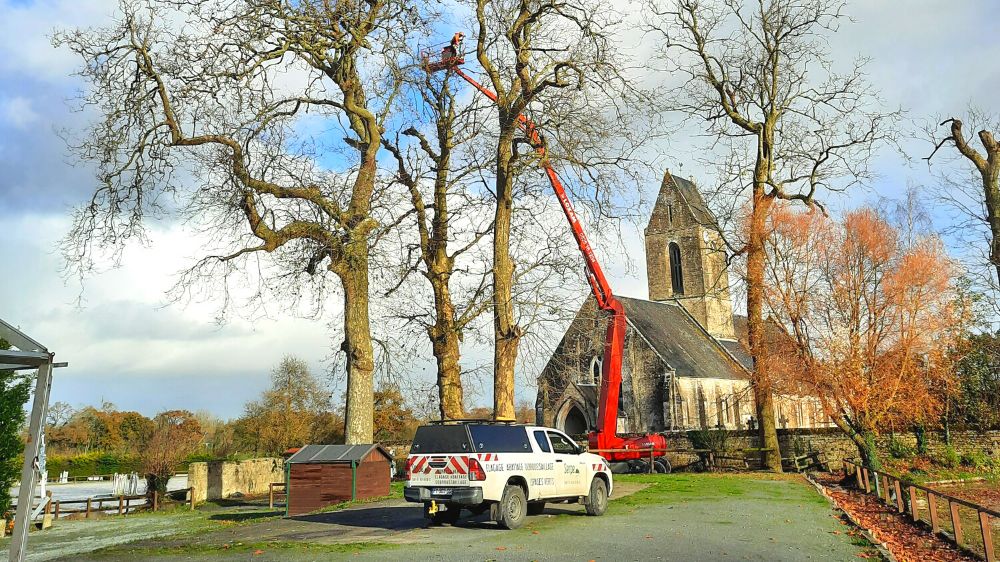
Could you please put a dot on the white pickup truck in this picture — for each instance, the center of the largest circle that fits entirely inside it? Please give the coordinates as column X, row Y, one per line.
column 512, row 470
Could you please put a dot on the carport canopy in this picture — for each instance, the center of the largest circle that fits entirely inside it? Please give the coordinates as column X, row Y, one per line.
column 27, row 353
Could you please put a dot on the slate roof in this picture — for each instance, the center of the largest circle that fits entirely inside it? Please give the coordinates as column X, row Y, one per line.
column 334, row 453
column 678, row 338
column 774, row 336
column 692, row 196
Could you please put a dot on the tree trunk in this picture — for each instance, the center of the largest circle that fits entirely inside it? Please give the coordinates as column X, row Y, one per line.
column 507, row 334
column 991, row 191
column 445, row 345
column 357, row 346
column 760, row 378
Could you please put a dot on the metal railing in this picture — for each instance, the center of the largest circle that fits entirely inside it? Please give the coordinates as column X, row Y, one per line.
column 889, row 489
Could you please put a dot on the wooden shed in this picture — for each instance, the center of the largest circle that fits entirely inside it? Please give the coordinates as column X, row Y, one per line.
column 322, row 475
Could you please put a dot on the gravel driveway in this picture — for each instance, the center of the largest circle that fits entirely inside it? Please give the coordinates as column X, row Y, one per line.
column 678, row 517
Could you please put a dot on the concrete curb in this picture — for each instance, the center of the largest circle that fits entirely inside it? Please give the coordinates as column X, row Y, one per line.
column 879, row 545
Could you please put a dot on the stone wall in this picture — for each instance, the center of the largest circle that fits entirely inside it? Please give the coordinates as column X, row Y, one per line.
column 835, row 445
column 224, row 479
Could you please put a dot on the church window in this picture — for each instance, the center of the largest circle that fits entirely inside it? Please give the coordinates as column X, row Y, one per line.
column 676, row 274
column 670, row 214
column 594, row 376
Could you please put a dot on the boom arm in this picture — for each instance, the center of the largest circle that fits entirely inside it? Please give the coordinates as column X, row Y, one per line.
column 614, row 341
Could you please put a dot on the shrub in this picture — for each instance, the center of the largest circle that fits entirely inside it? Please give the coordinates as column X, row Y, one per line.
column 978, row 460
column 947, row 458
column 713, row 439
column 89, row 464
column 898, row 449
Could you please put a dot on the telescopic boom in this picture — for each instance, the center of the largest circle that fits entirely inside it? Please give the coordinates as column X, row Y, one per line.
column 605, row 438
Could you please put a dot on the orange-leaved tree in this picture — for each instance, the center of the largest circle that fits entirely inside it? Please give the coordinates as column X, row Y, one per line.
column 871, row 316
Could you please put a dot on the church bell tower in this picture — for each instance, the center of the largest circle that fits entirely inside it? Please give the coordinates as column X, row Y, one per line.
column 686, row 256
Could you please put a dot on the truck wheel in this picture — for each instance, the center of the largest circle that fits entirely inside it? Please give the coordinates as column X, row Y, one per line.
column 536, row 508
column 662, row 466
column 598, row 497
column 513, row 507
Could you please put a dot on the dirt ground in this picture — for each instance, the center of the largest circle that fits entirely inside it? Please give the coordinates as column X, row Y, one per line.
column 663, row 517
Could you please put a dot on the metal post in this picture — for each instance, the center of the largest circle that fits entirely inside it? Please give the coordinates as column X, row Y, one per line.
column 39, row 410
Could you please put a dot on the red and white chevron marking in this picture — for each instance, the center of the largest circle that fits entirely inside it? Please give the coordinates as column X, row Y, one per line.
column 455, row 465
column 488, row 457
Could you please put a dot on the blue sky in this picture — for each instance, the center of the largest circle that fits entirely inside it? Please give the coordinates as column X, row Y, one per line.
column 124, row 344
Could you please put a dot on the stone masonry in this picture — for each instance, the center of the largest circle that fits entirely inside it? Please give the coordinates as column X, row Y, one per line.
column 680, row 217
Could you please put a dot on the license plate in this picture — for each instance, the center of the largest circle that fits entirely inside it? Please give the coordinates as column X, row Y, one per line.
column 440, row 492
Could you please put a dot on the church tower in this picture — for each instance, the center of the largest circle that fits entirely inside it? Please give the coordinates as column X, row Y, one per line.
column 686, row 256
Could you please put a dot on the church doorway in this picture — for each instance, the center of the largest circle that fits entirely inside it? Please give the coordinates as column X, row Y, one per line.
column 575, row 422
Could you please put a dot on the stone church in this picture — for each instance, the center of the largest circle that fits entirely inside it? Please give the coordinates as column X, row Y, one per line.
column 685, row 363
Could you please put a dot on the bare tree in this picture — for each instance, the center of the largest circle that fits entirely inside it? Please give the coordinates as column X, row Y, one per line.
column 976, row 195
column 759, row 74
column 439, row 167
column 204, row 107
column 555, row 60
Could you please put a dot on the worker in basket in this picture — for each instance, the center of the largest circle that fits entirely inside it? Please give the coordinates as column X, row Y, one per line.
column 454, row 48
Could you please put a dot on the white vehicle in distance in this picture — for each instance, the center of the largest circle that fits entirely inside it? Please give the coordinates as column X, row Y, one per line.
column 510, row 469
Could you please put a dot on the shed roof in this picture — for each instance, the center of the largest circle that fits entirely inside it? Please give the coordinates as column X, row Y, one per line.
column 335, row 453
column 676, row 336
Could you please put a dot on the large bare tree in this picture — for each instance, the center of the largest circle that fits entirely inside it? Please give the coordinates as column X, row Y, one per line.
column 977, row 197
column 555, row 60
column 789, row 124
column 439, row 167
column 259, row 121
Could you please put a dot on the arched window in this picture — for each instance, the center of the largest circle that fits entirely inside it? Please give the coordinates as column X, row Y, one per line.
column 594, row 376
column 676, row 274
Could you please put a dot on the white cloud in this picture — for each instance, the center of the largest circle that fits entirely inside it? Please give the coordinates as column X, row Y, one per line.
column 932, row 57
column 17, row 111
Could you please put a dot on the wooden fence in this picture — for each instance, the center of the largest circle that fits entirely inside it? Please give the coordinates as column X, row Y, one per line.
column 889, row 489
column 273, row 493
column 114, row 505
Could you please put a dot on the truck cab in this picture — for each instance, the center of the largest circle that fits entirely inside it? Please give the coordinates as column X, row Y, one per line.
column 512, row 470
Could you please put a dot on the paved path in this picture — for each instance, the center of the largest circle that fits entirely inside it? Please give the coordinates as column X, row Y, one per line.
column 682, row 517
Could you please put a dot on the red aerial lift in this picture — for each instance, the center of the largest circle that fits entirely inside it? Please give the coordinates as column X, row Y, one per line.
column 631, row 452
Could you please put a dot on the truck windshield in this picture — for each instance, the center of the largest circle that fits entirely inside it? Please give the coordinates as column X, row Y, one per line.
column 431, row 439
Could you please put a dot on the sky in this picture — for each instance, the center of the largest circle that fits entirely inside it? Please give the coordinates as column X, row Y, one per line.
column 126, row 344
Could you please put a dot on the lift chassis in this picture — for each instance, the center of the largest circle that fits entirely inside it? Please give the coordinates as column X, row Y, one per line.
column 623, row 453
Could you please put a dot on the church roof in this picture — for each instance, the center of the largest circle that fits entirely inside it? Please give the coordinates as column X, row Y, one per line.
column 692, row 196
column 680, row 341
